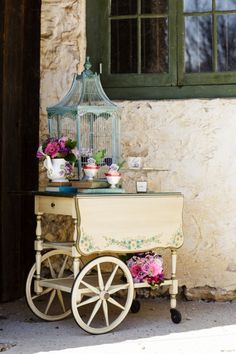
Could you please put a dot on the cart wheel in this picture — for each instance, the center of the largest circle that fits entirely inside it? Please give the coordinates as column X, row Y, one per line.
column 135, row 307
column 50, row 304
column 102, row 295
column 175, row 316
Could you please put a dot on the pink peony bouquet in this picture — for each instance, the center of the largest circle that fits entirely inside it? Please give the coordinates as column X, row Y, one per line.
column 146, row 267
column 63, row 147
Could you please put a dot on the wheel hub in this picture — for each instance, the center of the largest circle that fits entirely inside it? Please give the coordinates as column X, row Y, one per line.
column 104, row 295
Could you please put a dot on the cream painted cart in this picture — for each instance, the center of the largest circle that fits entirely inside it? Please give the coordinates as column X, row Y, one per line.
column 102, row 292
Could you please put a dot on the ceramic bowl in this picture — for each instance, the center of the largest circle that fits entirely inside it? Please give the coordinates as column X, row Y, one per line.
column 113, row 180
column 91, row 171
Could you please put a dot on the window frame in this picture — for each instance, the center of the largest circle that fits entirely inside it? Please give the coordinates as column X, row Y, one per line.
column 226, row 77
column 140, row 80
column 175, row 84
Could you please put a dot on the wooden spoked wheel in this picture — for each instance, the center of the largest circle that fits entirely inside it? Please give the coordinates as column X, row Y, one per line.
column 50, row 304
column 102, row 294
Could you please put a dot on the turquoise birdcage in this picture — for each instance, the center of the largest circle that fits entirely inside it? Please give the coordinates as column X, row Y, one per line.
column 88, row 116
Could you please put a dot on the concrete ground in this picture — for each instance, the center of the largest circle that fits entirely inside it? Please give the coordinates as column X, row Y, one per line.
column 205, row 328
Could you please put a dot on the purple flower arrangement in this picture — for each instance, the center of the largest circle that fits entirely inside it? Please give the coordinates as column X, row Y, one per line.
column 64, row 148
column 146, row 267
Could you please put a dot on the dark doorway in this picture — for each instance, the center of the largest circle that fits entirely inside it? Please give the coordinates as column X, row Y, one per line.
column 19, row 107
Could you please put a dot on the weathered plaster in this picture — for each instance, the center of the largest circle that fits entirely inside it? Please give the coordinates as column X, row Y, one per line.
column 194, row 141
column 63, row 47
column 191, row 142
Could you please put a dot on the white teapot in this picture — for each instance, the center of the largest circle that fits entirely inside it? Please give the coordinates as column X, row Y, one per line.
column 56, row 169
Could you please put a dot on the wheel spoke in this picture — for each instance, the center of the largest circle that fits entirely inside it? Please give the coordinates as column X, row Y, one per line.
column 88, row 301
column 46, row 291
column 116, row 288
column 112, row 276
column 100, row 279
column 105, row 311
column 47, row 302
column 95, row 310
column 60, row 297
column 89, row 286
column 114, row 302
column 53, row 274
column 62, row 268
column 101, row 283
column 52, row 296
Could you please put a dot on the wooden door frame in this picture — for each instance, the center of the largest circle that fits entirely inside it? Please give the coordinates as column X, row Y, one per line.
column 19, row 107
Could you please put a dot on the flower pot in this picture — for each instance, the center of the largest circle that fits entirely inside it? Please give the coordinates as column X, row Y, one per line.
column 56, row 169
column 90, row 172
column 113, row 179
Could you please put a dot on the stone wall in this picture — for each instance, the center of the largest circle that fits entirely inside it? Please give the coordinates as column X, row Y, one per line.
column 63, row 47
column 189, row 146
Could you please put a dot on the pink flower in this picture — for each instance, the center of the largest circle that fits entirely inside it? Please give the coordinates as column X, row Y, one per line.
column 40, row 154
column 52, row 149
column 62, row 142
column 154, row 269
column 146, row 267
column 136, row 271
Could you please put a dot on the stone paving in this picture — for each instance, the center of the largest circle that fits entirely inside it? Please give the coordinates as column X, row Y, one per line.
column 205, row 328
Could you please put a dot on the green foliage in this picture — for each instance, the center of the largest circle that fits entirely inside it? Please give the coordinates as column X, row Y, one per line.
column 125, row 257
column 99, row 156
column 71, row 158
column 121, row 164
column 71, row 143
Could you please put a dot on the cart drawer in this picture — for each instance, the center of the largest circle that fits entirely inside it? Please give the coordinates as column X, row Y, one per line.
column 55, row 205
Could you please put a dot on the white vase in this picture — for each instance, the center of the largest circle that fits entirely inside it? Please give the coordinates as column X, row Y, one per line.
column 56, row 171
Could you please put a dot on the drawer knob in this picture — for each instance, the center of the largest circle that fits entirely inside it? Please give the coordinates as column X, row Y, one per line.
column 52, row 205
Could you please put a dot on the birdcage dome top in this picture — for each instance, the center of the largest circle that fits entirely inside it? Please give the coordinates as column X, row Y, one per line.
column 86, row 95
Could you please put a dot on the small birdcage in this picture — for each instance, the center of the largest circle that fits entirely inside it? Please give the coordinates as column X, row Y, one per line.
column 87, row 115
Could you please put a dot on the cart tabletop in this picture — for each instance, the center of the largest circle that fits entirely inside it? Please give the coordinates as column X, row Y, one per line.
column 120, row 223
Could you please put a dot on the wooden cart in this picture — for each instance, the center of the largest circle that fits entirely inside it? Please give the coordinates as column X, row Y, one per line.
column 102, row 292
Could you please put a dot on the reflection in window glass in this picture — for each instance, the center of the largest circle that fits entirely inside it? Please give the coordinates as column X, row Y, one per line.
column 226, row 48
column 154, row 6
column 224, row 5
column 124, row 46
column 198, row 44
column 123, row 7
column 198, row 5
column 154, row 44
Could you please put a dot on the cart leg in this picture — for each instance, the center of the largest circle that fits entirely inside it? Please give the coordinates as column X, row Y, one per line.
column 174, row 287
column 75, row 254
column 76, row 261
column 175, row 314
column 38, row 246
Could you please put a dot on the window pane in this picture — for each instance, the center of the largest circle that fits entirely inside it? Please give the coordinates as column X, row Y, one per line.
column 198, row 5
column 225, row 5
column 154, row 44
column 124, row 46
column 226, row 48
column 154, row 6
column 198, row 44
column 123, row 7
